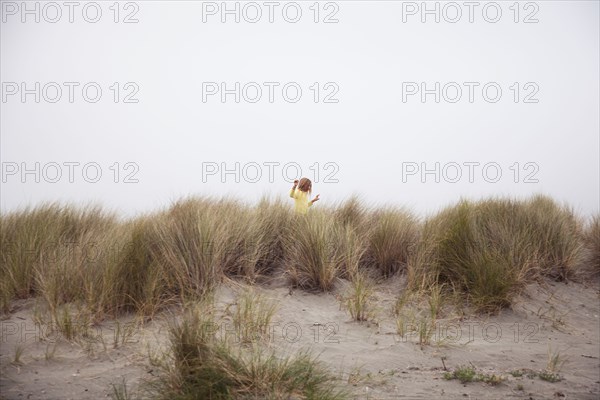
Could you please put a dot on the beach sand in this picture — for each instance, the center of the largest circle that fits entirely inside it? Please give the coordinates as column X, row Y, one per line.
column 371, row 359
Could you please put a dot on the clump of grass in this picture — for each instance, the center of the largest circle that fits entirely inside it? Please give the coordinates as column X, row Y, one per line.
column 181, row 254
column 188, row 248
column 591, row 239
column 313, row 260
column 351, row 252
column 549, row 376
column 489, row 250
column 351, row 213
column 464, row 374
column 208, row 367
column 421, row 318
column 423, row 327
column 22, row 235
column 435, row 301
column 351, row 247
column 555, row 232
column 252, row 316
column 71, row 322
column 405, row 317
column 51, row 251
column 401, row 326
column 392, row 234
column 544, row 375
column 426, row 329
column 467, row 374
column 268, row 227
column 132, row 278
column 357, row 300
column 555, row 361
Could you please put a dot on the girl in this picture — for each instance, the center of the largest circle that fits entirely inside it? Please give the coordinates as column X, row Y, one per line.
column 300, row 193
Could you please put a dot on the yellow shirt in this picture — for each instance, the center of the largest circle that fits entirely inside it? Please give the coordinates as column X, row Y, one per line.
column 301, row 200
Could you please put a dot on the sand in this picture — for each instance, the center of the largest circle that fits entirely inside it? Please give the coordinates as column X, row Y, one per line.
column 372, row 360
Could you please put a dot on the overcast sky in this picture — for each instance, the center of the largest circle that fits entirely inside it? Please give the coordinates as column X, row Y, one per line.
column 374, row 98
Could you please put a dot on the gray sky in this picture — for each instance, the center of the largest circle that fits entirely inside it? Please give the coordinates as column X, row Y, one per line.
column 370, row 131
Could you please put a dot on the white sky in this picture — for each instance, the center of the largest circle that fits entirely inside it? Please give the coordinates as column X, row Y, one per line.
column 368, row 137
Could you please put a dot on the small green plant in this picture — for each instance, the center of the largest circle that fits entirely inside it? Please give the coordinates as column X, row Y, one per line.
column 549, row 376
column 517, row 373
column 491, row 379
column 463, row 374
column 468, row 374
column 520, row 387
column 555, row 361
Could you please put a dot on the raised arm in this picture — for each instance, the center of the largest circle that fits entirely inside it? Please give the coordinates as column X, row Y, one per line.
column 293, row 188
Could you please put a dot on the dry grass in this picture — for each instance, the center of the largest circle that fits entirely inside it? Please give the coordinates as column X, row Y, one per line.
column 490, row 249
column 86, row 265
column 486, row 250
column 52, row 251
column 591, row 240
column 313, row 258
column 203, row 365
column 358, row 300
column 251, row 315
column 392, row 235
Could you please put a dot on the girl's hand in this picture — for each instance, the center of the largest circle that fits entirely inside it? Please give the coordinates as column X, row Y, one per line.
column 295, row 183
column 316, row 198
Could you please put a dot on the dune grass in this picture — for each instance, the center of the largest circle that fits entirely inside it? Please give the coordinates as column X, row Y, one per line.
column 57, row 253
column 489, row 250
column 591, row 240
column 205, row 365
column 251, row 316
column 84, row 265
column 313, row 257
column 358, row 298
column 486, row 250
column 392, row 234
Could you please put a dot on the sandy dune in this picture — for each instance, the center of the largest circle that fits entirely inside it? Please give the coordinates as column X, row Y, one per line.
column 373, row 361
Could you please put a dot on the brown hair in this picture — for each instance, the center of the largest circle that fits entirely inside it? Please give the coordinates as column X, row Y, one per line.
column 305, row 185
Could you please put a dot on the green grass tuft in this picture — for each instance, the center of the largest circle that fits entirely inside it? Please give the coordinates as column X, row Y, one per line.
column 206, row 366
